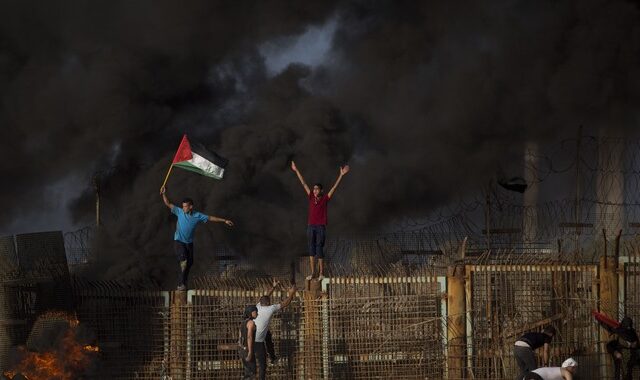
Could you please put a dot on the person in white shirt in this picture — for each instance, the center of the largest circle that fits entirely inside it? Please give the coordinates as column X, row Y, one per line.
column 265, row 312
column 565, row 372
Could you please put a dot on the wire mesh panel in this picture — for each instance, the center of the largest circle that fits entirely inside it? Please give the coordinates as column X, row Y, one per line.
column 215, row 317
column 33, row 279
column 131, row 329
column 505, row 301
column 382, row 328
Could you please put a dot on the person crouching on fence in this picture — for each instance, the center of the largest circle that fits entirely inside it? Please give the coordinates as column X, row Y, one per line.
column 566, row 372
column 525, row 346
column 246, row 342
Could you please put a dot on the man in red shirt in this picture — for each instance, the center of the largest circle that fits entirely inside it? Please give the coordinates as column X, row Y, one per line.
column 317, row 221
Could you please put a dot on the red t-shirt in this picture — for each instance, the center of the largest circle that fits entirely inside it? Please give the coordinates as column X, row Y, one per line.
column 318, row 209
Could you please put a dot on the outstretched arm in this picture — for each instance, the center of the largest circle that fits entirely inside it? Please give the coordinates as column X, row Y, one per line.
column 343, row 170
column 163, row 191
column 220, row 220
column 273, row 288
column 566, row 375
column 304, row 184
column 290, row 294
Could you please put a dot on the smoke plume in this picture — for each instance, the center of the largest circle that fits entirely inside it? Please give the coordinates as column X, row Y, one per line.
column 425, row 101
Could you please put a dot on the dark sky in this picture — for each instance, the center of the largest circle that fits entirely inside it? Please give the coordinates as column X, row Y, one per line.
column 425, row 100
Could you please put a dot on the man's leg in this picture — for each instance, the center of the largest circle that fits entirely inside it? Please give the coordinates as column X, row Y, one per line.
column 616, row 356
column 526, row 360
column 261, row 359
column 271, row 350
column 189, row 264
column 311, row 238
column 249, row 368
column 320, row 237
column 181, row 254
column 634, row 360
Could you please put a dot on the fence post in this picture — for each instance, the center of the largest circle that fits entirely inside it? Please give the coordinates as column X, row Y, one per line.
column 178, row 331
column 608, row 294
column 311, row 363
column 456, row 324
column 609, row 286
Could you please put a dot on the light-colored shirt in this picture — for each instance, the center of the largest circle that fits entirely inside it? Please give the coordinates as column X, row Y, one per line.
column 549, row 373
column 264, row 318
column 187, row 224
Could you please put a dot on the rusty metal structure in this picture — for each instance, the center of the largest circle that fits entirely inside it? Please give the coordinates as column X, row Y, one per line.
column 455, row 317
column 460, row 323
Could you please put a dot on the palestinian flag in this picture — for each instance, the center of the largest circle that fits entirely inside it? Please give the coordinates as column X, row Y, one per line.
column 605, row 319
column 196, row 158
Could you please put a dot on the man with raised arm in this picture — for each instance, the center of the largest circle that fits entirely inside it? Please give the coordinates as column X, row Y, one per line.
column 265, row 312
column 317, row 220
column 188, row 219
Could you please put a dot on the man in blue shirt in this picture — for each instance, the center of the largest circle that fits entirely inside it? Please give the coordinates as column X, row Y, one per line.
column 188, row 219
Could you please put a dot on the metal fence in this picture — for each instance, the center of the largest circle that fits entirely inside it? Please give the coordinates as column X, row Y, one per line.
column 357, row 327
column 504, row 301
column 131, row 329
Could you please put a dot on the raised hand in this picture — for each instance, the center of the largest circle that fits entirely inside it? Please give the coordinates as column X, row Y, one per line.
column 293, row 166
column 344, row 170
column 163, row 190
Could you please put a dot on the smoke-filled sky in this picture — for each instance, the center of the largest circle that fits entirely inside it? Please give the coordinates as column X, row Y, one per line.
column 425, row 100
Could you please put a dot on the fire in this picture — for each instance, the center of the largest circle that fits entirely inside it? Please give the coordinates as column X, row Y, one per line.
column 69, row 360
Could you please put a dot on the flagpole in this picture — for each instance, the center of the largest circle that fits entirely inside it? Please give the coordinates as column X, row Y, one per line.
column 167, row 176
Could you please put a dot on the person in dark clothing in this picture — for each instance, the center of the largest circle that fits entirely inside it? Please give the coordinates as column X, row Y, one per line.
column 525, row 346
column 625, row 337
column 246, row 342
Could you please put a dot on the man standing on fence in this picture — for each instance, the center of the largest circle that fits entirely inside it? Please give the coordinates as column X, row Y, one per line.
column 265, row 312
column 625, row 337
column 188, row 219
column 317, row 221
column 525, row 346
column 246, row 342
column 566, row 372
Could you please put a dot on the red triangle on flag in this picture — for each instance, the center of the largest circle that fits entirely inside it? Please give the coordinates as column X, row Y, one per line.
column 184, row 151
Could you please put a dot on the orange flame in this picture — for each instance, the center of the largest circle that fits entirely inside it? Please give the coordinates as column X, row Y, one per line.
column 91, row 348
column 66, row 363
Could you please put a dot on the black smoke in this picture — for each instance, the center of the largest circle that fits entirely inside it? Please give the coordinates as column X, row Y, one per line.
column 425, row 100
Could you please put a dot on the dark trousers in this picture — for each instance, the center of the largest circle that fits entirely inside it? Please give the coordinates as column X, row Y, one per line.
column 184, row 252
column 316, row 234
column 526, row 360
column 634, row 359
column 249, row 367
column 261, row 358
column 271, row 349
column 532, row 376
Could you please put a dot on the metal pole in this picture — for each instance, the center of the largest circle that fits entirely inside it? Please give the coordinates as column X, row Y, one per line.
column 96, row 187
column 577, row 200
